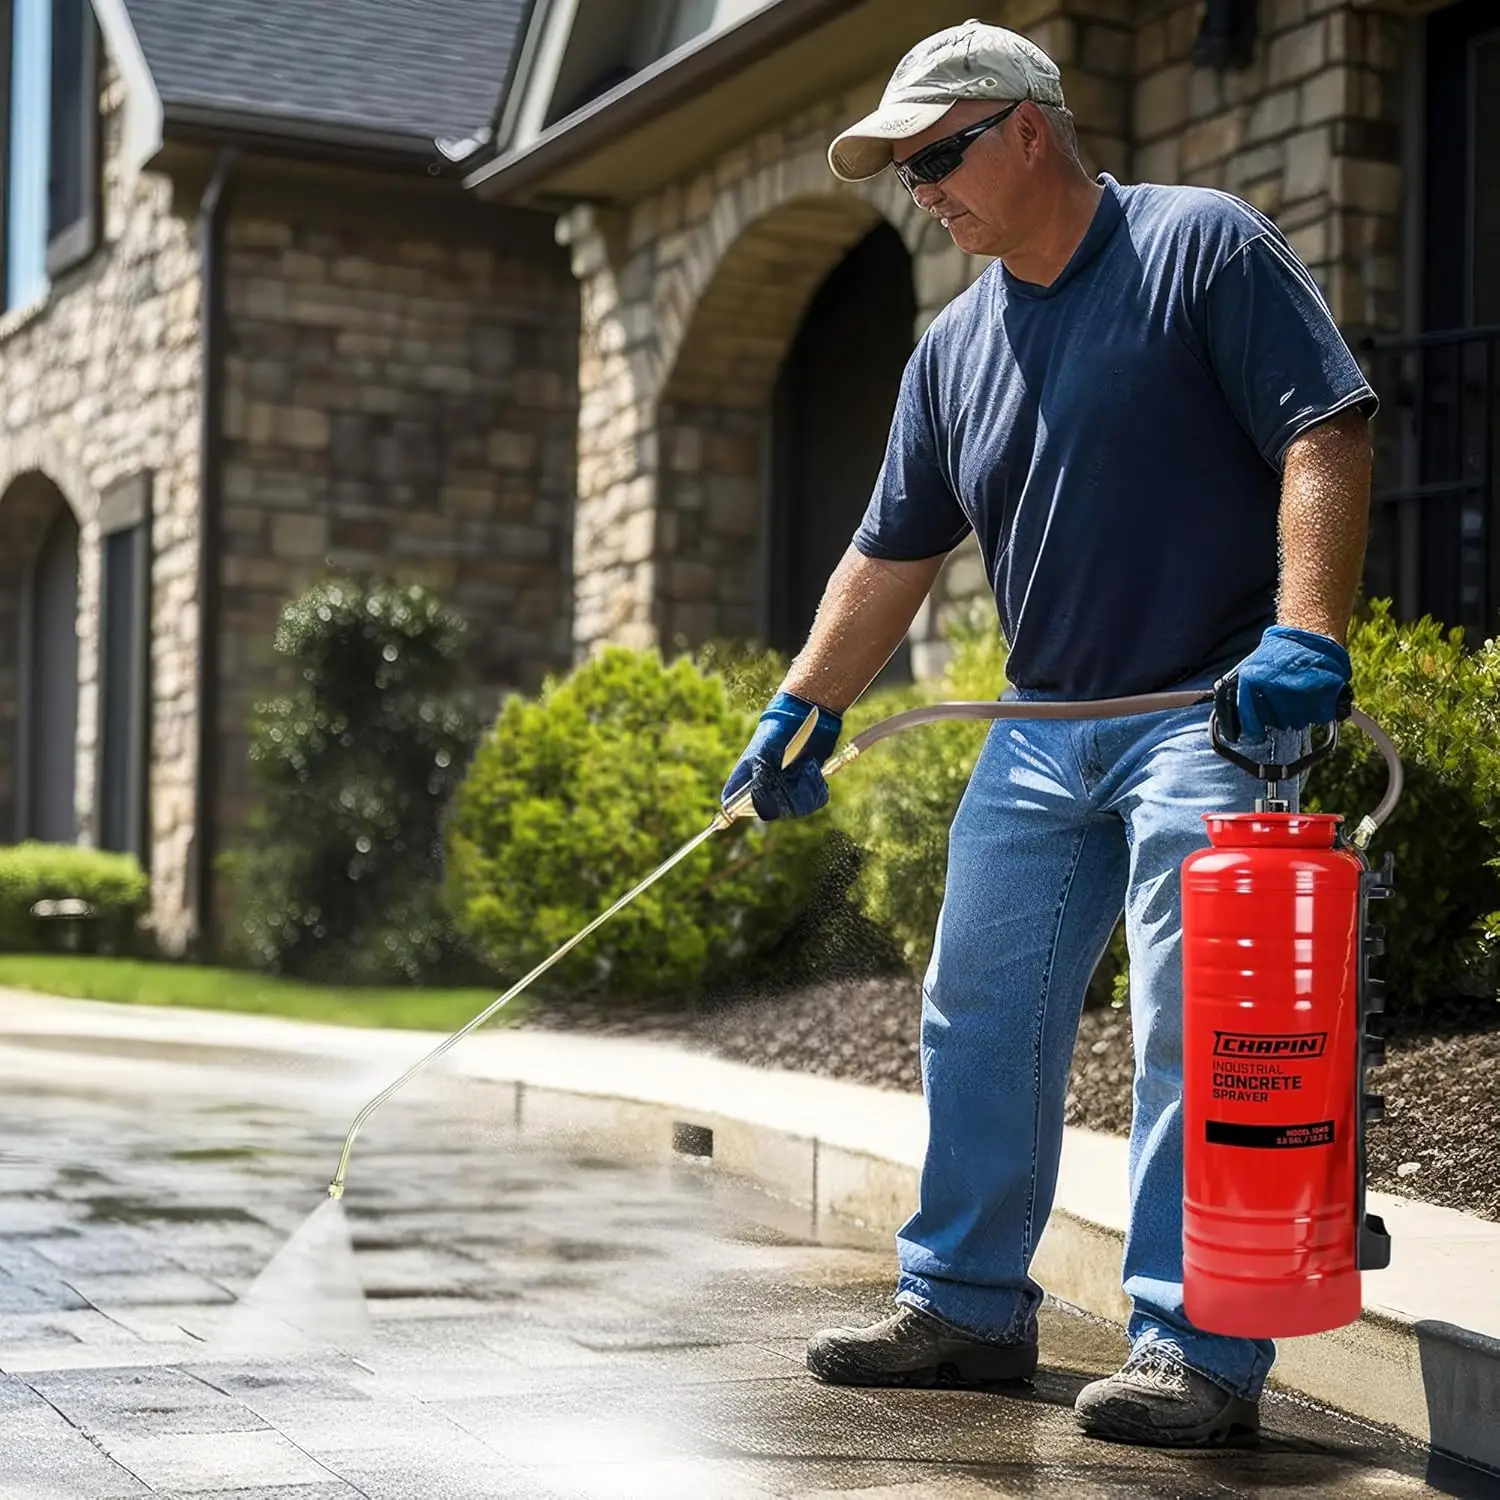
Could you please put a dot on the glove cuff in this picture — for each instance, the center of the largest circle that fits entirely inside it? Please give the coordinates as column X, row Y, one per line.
column 785, row 702
column 1311, row 640
column 790, row 709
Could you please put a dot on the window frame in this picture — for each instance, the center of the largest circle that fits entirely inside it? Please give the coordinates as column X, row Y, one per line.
column 71, row 244
column 7, row 38
column 127, row 506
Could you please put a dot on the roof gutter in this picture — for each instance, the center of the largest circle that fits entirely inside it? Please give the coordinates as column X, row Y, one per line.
column 261, row 132
column 666, row 83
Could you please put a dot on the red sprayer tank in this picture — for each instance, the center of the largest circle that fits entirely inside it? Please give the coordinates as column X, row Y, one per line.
column 1276, row 997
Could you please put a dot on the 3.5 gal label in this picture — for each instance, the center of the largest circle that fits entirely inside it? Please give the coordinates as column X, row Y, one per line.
column 1268, row 1137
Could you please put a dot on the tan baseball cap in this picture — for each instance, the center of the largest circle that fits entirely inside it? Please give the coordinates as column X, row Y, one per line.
column 971, row 61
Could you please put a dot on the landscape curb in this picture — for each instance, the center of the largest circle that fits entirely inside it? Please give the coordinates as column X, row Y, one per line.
column 1429, row 1380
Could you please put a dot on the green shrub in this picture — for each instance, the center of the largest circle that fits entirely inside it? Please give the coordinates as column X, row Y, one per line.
column 114, row 887
column 574, row 797
column 340, row 873
column 752, row 675
column 897, row 802
column 1441, row 705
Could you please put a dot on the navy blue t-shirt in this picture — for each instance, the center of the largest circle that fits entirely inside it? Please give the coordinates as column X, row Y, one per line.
column 1115, row 440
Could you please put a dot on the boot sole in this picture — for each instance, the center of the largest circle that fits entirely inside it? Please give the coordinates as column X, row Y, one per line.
column 1213, row 1434
column 976, row 1370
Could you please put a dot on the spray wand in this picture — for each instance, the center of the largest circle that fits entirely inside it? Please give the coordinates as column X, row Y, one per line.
column 741, row 806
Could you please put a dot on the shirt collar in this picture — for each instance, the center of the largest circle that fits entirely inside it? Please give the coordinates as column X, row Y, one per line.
column 1108, row 217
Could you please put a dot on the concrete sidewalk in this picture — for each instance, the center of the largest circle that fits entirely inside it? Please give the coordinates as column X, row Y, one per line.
column 1424, row 1359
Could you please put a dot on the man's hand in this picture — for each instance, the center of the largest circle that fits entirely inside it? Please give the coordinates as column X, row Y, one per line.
column 866, row 610
column 779, row 789
column 1292, row 680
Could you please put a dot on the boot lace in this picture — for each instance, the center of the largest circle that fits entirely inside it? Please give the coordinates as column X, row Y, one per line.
column 1159, row 1365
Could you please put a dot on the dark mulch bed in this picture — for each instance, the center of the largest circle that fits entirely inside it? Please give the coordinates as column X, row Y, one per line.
column 1441, row 1080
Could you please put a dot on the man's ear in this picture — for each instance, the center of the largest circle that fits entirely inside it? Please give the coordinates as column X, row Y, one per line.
column 1029, row 131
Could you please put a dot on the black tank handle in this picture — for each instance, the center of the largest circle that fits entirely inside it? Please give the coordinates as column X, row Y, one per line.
column 1271, row 773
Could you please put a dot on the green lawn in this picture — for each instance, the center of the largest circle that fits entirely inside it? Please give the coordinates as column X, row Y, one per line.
column 134, row 982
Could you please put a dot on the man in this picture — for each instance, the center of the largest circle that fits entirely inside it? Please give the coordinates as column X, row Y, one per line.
column 1141, row 409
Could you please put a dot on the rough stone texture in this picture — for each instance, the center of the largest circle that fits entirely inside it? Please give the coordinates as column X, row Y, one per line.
column 689, row 303
column 97, row 383
column 399, row 403
column 1309, row 133
column 397, row 399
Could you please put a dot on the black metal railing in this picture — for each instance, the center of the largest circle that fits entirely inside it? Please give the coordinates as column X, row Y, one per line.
column 1435, row 522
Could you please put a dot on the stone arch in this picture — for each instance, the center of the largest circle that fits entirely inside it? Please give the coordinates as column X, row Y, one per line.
column 667, row 322
column 792, row 216
column 714, row 416
column 40, row 593
column 26, row 453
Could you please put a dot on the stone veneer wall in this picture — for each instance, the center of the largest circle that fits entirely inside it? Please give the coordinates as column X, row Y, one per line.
column 400, row 400
column 97, row 383
column 691, row 296
column 1310, row 133
column 690, row 301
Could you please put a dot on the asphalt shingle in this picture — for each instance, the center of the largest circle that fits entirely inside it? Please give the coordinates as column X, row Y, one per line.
column 425, row 68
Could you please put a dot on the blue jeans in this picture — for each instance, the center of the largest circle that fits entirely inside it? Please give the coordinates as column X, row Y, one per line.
column 1064, row 824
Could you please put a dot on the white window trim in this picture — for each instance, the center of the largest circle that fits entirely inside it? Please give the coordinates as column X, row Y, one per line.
column 143, row 111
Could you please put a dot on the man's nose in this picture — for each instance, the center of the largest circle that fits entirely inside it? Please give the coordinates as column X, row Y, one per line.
column 928, row 195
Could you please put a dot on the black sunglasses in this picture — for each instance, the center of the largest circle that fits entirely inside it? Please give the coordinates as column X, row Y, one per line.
column 933, row 163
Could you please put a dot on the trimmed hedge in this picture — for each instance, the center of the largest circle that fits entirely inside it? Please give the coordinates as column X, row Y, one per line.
column 575, row 796
column 115, row 888
column 1440, row 703
column 339, row 875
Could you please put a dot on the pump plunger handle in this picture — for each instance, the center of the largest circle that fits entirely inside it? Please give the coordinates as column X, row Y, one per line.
column 1271, row 773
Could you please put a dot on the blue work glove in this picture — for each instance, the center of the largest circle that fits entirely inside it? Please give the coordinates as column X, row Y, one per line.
column 779, row 790
column 1292, row 680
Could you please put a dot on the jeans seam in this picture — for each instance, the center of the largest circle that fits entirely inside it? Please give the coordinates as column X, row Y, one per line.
column 1041, row 1026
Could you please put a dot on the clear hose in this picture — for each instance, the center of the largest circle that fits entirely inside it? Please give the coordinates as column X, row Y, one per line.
column 741, row 807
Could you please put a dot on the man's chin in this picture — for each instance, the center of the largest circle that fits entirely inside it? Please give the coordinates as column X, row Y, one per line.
column 967, row 234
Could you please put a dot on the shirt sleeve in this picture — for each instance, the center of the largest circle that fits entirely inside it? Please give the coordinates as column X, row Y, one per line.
column 913, row 513
column 1278, row 355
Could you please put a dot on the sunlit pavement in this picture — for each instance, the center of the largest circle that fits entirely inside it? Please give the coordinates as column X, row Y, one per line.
column 548, row 1319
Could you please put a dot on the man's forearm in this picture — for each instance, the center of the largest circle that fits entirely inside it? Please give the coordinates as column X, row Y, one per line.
column 866, row 611
column 1325, row 511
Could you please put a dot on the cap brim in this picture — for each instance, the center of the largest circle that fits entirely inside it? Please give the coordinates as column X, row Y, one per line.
column 865, row 149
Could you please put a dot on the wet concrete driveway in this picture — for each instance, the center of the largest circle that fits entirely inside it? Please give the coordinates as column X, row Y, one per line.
column 549, row 1321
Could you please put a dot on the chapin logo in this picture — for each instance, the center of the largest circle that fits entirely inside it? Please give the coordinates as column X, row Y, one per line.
column 1236, row 1044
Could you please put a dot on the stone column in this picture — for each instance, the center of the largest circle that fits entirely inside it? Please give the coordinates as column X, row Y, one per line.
column 614, row 536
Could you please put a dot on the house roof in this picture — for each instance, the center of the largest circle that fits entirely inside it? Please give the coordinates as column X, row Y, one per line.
column 392, row 68
column 675, row 116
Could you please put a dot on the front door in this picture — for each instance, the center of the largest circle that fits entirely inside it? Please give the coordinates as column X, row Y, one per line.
column 832, row 415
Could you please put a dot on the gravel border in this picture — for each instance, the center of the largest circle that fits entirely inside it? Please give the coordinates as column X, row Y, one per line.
column 1439, row 1141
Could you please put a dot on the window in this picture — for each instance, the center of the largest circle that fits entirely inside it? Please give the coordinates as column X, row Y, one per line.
column 1463, row 160
column 609, row 41
column 28, row 74
column 1484, row 177
column 125, row 667
column 687, row 19
column 73, row 208
column 49, row 142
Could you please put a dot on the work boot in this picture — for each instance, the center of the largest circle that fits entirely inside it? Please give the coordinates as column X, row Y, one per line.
column 913, row 1348
column 1157, row 1400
